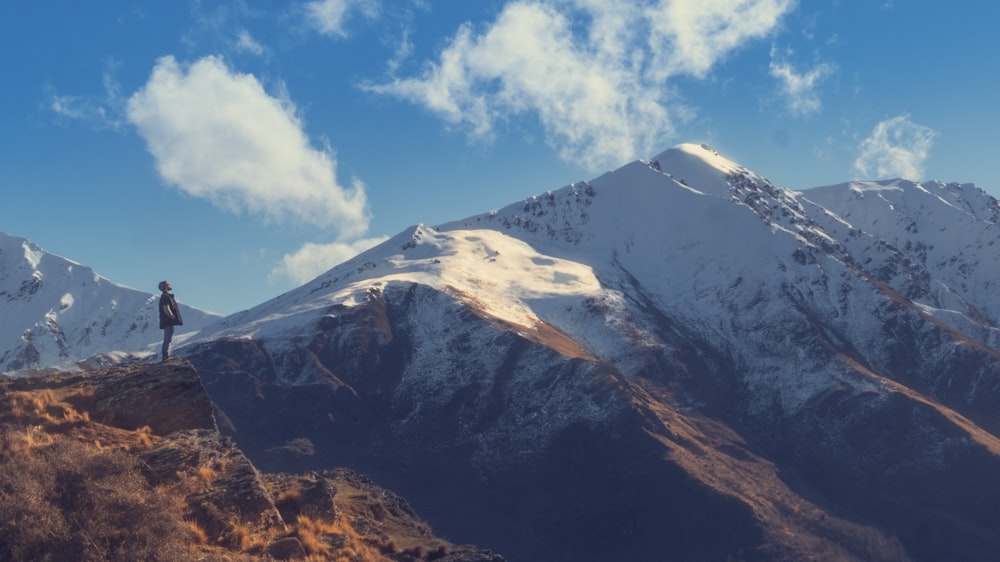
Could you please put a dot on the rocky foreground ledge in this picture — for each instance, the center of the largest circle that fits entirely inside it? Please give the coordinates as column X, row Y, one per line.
column 127, row 463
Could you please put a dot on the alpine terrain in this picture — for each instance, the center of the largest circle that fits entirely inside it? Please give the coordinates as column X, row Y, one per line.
column 677, row 360
column 56, row 312
column 127, row 463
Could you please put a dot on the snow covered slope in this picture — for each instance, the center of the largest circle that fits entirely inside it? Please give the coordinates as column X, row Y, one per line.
column 948, row 234
column 56, row 312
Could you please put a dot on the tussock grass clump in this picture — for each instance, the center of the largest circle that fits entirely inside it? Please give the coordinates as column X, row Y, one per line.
column 199, row 534
column 210, row 470
column 44, row 407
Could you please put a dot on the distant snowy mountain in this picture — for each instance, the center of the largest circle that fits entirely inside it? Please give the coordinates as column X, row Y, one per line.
column 942, row 236
column 56, row 312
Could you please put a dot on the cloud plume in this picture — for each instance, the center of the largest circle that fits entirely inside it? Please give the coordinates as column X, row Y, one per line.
column 217, row 134
column 799, row 89
column 595, row 73
column 313, row 259
column 897, row 148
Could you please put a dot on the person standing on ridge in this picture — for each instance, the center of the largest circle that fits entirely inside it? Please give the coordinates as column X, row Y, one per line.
column 170, row 316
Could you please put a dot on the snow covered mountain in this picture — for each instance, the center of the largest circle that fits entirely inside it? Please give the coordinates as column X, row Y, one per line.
column 677, row 359
column 56, row 312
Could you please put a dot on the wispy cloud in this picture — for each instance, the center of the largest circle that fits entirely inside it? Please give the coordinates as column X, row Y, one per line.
column 103, row 112
column 897, row 148
column 245, row 43
column 313, row 259
column 595, row 73
column 217, row 134
column 799, row 89
column 328, row 16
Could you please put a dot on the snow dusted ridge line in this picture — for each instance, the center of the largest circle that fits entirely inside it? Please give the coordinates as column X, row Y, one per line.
column 718, row 248
column 57, row 312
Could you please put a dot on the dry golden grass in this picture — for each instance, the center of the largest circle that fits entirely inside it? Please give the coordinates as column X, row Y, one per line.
column 312, row 542
column 39, row 406
column 242, row 536
column 145, row 437
column 357, row 547
column 209, row 471
column 247, row 537
column 199, row 534
column 19, row 442
column 46, row 433
column 170, row 495
column 207, row 474
column 77, row 502
column 289, row 493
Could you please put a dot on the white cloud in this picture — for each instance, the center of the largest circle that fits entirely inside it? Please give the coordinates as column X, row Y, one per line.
column 799, row 90
column 691, row 36
column 328, row 16
column 314, row 259
column 594, row 72
column 217, row 134
column 897, row 148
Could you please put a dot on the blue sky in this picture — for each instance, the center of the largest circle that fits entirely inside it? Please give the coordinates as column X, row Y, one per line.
column 240, row 148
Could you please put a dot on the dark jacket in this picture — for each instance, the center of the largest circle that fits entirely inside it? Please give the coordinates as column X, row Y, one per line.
column 170, row 314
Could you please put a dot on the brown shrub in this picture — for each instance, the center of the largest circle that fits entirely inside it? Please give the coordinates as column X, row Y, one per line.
column 145, row 436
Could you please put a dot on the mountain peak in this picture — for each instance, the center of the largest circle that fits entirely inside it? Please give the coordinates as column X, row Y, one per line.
column 698, row 166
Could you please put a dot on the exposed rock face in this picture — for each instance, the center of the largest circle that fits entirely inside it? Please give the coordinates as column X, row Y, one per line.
column 167, row 397
column 232, row 483
column 178, row 489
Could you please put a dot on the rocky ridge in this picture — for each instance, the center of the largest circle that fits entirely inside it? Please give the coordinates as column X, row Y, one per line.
column 128, row 463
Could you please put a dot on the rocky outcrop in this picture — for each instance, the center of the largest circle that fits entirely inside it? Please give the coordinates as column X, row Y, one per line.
column 232, row 488
column 166, row 397
column 140, row 443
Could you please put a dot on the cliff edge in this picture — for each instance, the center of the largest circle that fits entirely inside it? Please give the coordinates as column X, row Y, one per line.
column 127, row 463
